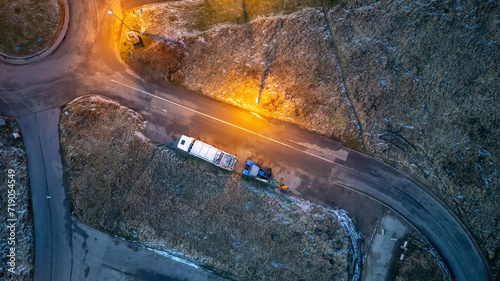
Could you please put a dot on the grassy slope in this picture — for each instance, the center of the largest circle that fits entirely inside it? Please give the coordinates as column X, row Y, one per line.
column 12, row 156
column 174, row 202
column 421, row 83
column 426, row 89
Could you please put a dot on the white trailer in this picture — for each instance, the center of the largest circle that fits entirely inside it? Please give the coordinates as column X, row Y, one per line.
column 207, row 152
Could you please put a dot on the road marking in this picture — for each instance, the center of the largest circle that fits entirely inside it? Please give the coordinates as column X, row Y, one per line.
column 225, row 122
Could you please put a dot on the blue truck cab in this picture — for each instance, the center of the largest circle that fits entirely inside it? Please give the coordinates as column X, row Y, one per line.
column 252, row 169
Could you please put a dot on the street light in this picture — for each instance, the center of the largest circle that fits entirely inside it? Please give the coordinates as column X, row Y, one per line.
column 111, row 13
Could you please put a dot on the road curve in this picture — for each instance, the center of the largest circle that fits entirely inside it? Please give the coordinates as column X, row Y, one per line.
column 85, row 62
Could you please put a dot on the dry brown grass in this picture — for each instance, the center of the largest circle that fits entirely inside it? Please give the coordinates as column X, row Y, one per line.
column 426, row 94
column 12, row 156
column 231, row 63
column 422, row 78
column 91, row 126
column 259, row 54
column 168, row 69
column 169, row 200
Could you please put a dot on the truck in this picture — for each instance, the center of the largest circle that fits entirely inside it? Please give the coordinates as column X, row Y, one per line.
column 207, row 152
column 261, row 173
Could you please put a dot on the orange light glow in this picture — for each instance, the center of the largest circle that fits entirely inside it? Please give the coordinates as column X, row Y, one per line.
column 258, row 116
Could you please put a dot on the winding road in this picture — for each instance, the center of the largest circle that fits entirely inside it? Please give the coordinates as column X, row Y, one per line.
column 86, row 63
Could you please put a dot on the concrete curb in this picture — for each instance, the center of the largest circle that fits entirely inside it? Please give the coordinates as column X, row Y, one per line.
column 61, row 33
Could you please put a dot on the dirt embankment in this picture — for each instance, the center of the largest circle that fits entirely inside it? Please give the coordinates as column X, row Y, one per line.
column 13, row 166
column 414, row 83
column 122, row 183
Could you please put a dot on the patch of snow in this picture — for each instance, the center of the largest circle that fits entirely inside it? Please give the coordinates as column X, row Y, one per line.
column 348, row 101
column 406, row 126
column 486, row 180
column 168, row 255
column 428, row 173
column 484, row 152
column 141, row 136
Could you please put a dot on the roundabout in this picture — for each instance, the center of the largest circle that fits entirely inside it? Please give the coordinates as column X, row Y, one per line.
column 32, row 30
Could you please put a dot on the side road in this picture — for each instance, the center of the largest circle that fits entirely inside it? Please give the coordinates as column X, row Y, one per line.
column 50, row 201
column 98, row 256
column 66, row 249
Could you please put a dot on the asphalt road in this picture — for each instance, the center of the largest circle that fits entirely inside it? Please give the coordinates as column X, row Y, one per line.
column 313, row 166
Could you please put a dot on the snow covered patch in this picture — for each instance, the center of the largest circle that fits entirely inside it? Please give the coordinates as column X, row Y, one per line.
column 168, row 255
column 171, row 155
column 95, row 98
column 141, row 136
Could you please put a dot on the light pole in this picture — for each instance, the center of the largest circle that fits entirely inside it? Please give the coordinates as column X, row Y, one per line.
column 111, row 12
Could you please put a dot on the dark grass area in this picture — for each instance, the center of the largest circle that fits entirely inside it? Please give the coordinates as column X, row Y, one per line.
column 419, row 264
column 6, row 130
column 28, row 26
column 425, row 89
column 13, row 166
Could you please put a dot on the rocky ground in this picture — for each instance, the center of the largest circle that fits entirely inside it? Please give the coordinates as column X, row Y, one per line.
column 413, row 83
column 124, row 184
column 13, row 157
column 28, row 26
